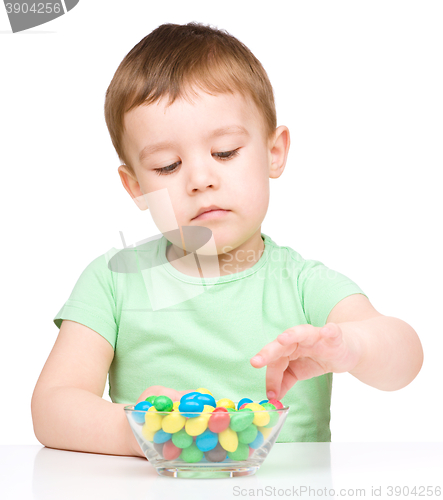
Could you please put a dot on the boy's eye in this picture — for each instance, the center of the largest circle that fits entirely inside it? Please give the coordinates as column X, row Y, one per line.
column 170, row 169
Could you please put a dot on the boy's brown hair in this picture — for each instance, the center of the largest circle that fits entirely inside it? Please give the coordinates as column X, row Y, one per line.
column 175, row 58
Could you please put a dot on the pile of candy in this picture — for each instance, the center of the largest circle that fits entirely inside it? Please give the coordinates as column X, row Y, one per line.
column 197, row 426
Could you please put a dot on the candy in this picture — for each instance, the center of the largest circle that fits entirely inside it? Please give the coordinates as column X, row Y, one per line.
column 241, row 453
column 208, row 409
column 189, row 395
column 241, row 419
column 242, row 402
column 191, row 454
column 148, row 434
column 262, row 418
column 219, row 420
column 206, row 441
column 182, row 439
column 258, row 441
column 202, row 390
column 226, row 403
column 247, row 435
column 207, row 399
column 161, row 436
column 228, row 439
column 163, row 403
column 273, row 415
column 278, row 404
column 197, row 425
column 265, row 431
column 170, row 451
column 153, row 420
column 138, row 416
column 218, row 454
column 190, row 405
column 173, row 422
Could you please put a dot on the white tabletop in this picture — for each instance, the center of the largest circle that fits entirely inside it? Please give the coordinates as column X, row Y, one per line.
column 36, row 472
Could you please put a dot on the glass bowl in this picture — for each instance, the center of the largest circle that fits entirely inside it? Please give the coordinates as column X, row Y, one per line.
column 228, row 453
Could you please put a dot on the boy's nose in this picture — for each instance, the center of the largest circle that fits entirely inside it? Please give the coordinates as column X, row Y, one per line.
column 201, row 176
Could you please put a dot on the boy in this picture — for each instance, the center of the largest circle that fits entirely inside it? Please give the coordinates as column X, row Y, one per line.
column 191, row 114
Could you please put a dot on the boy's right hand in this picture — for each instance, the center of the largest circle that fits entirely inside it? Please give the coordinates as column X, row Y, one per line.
column 159, row 390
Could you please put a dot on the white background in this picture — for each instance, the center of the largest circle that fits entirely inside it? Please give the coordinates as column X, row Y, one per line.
column 359, row 84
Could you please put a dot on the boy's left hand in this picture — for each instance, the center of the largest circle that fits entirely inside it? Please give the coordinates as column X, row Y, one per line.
column 303, row 352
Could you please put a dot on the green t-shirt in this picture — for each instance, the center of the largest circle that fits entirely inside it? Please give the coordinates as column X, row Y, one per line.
column 184, row 332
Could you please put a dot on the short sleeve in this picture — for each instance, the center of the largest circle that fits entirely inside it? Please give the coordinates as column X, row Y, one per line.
column 320, row 289
column 92, row 301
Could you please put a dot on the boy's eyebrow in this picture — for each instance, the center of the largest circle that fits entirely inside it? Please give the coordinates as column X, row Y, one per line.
column 153, row 148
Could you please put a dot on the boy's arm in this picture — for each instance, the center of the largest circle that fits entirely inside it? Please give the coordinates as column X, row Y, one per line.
column 68, row 411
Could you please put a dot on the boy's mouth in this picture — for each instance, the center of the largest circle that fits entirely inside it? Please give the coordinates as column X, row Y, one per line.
column 209, row 212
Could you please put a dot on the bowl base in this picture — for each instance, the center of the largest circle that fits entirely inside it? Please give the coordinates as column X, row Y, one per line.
column 206, row 472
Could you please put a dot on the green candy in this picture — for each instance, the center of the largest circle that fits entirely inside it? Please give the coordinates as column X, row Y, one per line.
column 242, row 419
column 248, row 435
column 231, row 410
column 273, row 415
column 182, row 439
column 191, row 454
column 163, row 403
column 241, row 453
column 151, row 399
column 269, row 406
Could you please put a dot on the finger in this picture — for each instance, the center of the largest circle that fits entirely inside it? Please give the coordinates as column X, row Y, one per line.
column 288, row 381
column 305, row 335
column 301, row 369
column 270, row 354
column 332, row 332
column 274, row 376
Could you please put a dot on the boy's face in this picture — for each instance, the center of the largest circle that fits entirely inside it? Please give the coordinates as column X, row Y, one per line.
column 213, row 152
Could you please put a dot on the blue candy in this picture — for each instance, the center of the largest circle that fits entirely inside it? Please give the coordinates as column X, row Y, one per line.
column 207, row 440
column 161, row 436
column 193, row 405
column 138, row 416
column 207, row 399
column 258, row 441
column 243, row 401
column 263, row 401
column 190, row 395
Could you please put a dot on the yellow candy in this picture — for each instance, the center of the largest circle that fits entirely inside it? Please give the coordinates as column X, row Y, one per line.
column 147, row 434
column 228, row 439
column 204, row 391
column 208, row 409
column 226, row 403
column 265, row 431
column 175, row 405
column 173, row 422
column 196, row 425
column 260, row 419
column 153, row 420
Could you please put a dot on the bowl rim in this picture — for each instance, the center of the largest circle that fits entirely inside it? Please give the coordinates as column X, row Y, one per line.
column 130, row 408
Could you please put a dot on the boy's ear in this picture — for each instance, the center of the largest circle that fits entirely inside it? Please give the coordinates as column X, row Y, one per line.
column 130, row 183
column 279, row 149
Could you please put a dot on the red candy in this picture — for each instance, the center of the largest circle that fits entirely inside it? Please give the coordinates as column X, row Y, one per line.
column 170, row 451
column 242, row 406
column 219, row 420
column 278, row 405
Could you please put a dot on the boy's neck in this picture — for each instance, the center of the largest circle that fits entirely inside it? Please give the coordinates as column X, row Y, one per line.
column 239, row 259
